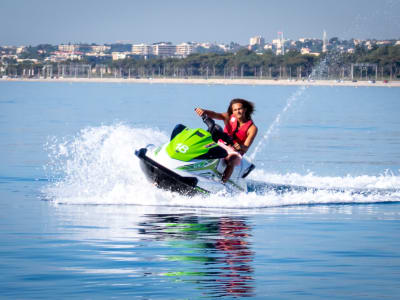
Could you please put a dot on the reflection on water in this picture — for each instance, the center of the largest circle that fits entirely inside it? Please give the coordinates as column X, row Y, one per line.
column 213, row 252
column 169, row 253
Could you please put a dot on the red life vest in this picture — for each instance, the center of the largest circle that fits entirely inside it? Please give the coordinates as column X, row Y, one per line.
column 239, row 135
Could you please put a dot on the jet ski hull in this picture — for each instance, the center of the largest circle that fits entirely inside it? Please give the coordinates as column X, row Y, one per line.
column 166, row 179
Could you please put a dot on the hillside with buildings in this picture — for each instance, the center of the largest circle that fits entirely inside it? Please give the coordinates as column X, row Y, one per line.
column 279, row 58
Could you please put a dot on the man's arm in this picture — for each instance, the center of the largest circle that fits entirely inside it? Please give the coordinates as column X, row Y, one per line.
column 212, row 114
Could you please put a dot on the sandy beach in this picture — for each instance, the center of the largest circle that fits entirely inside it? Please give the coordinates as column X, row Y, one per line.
column 217, row 81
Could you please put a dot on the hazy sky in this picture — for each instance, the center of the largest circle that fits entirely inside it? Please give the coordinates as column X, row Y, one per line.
column 29, row 22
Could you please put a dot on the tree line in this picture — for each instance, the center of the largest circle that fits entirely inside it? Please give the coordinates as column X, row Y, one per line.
column 243, row 63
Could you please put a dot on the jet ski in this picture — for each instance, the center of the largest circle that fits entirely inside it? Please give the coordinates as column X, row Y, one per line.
column 192, row 162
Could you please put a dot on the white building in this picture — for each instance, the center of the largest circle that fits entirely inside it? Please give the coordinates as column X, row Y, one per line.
column 369, row 45
column 32, row 60
column 59, row 56
column 224, row 47
column 164, row 49
column 97, row 54
column 307, row 40
column 257, row 41
column 9, row 56
column 305, row 50
column 102, row 48
column 119, row 55
column 184, row 49
column 308, row 51
column 68, row 48
column 142, row 49
column 205, row 45
column 20, row 49
column 278, row 43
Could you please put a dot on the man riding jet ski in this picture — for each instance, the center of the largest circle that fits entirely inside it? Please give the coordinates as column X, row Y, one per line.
column 196, row 161
column 239, row 126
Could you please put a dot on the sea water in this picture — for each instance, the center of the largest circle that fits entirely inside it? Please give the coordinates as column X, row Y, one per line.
column 78, row 218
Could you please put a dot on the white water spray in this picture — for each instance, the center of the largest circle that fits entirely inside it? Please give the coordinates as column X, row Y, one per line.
column 98, row 166
column 293, row 98
column 318, row 72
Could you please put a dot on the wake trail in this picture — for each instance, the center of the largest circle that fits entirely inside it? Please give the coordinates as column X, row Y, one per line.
column 98, row 166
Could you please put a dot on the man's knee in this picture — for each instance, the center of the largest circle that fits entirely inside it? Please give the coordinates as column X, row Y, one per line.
column 232, row 160
column 229, row 160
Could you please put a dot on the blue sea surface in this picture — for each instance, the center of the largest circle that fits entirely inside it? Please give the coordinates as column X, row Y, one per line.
column 79, row 220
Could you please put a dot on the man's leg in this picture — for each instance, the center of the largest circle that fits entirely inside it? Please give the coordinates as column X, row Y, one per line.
column 230, row 165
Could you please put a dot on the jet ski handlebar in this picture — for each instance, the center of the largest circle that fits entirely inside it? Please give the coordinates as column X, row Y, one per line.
column 216, row 131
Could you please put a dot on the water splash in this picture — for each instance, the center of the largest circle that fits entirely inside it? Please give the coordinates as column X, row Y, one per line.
column 98, row 166
column 319, row 72
column 98, row 162
column 293, row 98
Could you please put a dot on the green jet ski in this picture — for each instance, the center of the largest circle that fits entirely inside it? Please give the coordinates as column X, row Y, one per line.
column 192, row 162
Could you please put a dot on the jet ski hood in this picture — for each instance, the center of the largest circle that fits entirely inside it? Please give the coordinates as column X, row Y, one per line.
column 190, row 144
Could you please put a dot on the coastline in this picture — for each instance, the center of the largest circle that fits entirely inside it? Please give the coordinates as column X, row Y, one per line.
column 215, row 81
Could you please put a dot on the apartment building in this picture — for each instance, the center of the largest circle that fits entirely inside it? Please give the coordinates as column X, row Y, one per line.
column 184, row 49
column 164, row 49
column 142, row 49
column 119, row 55
column 257, row 40
column 68, row 48
column 101, row 48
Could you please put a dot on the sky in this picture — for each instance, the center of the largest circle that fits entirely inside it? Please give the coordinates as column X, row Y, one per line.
column 29, row 22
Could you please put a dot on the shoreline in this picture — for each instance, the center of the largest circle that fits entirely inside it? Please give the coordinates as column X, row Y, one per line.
column 214, row 81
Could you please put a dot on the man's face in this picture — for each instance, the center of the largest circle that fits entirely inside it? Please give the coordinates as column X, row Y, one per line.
column 238, row 110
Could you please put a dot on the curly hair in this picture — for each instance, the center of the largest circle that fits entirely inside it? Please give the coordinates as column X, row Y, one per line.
column 249, row 106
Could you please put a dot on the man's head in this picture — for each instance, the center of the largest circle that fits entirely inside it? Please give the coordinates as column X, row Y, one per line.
column 240, row 107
